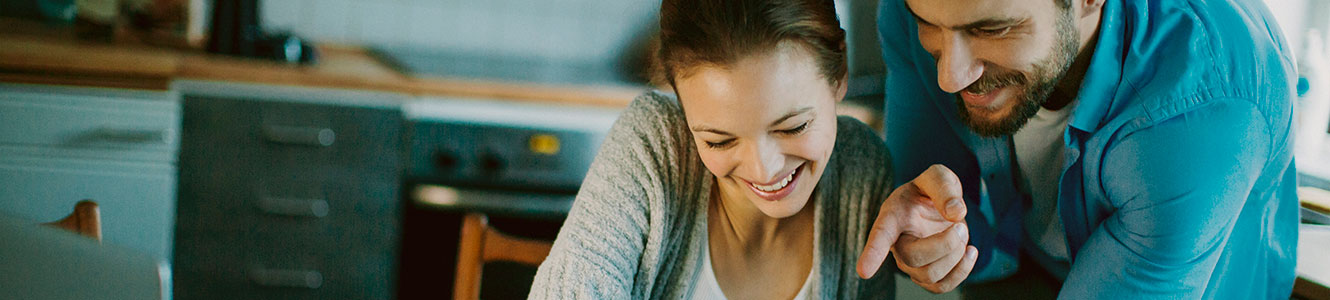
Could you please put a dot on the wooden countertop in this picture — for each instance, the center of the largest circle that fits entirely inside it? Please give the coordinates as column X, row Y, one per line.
column 35, row 53
column 1313, row 269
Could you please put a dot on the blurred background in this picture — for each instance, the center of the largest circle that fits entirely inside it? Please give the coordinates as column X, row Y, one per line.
column 365, row 149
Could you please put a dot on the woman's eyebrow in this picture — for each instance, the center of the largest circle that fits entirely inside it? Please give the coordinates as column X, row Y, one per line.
column 791, row 115
column 787, row 116
column 701, row 128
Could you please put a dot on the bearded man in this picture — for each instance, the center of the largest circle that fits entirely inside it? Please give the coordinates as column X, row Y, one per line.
column 1118, row 149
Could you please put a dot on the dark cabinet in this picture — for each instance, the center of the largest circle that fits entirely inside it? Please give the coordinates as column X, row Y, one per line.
column 289, row 193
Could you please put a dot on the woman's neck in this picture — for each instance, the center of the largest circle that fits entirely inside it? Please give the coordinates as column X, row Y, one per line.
column 741, row 223
column 754, row 256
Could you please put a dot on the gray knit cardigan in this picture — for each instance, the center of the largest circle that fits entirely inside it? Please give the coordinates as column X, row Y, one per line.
column 637, row 226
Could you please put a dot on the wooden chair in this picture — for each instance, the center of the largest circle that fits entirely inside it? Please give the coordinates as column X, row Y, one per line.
column 481, row 243
column 86, row 220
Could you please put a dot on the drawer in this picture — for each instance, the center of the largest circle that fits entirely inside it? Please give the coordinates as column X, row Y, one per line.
column 136, row 199
column 298, row 135
column 227, row 247
column 295, row 135
column 220, row 266
column 335, row 204
column 295, row 127
column 52, row 117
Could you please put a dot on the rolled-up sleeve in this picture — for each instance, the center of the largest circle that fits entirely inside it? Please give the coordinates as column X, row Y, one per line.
column 1178, row 186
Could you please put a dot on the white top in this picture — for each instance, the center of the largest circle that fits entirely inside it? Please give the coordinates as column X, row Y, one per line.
column 1039, row 152
column 706, row 287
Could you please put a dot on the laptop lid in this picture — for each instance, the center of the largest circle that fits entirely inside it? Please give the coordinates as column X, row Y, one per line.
column 40, row 262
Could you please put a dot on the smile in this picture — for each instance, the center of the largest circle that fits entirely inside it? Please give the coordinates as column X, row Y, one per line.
column 778, row 189
column 989, row 99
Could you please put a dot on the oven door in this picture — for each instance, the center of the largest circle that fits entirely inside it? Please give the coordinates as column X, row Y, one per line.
column 432, row 226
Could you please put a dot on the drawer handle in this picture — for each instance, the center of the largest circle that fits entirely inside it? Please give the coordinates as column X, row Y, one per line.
column 308, row 279
column 304, row 136
column 316, row 208
column 129, row 135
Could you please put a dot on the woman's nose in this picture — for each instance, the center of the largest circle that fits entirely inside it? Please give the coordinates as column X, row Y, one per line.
column 764, row 160
column 957, row 66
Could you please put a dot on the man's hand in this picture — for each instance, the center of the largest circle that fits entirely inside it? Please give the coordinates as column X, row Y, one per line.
column 930, row 206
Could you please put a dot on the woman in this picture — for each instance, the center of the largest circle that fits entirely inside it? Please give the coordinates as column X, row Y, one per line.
column 748, row 186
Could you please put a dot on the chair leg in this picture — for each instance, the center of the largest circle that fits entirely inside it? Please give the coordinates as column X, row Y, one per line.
column 470, row 259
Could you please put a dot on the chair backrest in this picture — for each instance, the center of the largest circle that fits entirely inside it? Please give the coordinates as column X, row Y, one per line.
column 86, row 220
column 481, row 243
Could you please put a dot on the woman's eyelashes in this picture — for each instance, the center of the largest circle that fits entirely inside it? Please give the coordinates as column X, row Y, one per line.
column 726, row 143
column 796, row 130
column 721, row 144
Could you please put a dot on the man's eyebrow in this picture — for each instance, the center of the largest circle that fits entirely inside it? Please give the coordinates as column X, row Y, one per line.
column 984, row 23
column 990, row 23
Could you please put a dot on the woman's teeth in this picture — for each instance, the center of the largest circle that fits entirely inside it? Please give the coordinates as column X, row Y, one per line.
column 777, row 186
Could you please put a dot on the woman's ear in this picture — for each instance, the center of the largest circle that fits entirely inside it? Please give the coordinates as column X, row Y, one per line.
column 842, row 87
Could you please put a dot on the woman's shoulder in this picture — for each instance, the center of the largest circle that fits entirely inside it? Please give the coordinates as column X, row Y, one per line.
column 652, row 125
column 656, row 100
column 858, row 145
column 653, row 108
column 861, row 162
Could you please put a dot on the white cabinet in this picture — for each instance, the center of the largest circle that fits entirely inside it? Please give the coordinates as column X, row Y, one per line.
column 59, row 145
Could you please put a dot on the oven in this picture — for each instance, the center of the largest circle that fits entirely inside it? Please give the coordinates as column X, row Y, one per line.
column 518, row 163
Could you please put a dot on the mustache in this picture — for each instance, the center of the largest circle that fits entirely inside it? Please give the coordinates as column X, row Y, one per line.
column 990, row 82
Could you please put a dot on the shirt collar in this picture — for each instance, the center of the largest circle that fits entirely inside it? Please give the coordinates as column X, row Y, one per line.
column 1105, row 72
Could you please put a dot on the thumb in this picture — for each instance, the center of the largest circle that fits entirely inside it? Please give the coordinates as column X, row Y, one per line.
column 941, row 185
column 952, row 209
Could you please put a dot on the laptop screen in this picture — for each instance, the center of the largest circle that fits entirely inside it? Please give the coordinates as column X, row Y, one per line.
column 41, row 262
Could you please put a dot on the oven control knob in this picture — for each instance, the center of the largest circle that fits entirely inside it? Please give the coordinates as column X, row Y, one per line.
column 491, row 162
column 445, row 160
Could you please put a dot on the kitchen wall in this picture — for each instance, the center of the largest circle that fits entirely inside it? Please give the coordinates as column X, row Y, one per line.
column 1292, row 18
column 575, row 30
column 570, row 30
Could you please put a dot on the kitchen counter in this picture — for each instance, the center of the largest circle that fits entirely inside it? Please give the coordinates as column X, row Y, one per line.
column 35, row 53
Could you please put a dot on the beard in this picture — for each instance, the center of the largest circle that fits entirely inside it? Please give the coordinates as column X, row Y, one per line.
column 1033, row 88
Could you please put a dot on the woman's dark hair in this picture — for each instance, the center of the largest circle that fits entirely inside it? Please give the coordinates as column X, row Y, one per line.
column 720, row 32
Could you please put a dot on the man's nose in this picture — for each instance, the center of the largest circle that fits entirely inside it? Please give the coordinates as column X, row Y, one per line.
column 764, row 160
column 957, row 66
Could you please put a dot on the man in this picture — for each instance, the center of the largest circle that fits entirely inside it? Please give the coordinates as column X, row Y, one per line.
column 1129, row 148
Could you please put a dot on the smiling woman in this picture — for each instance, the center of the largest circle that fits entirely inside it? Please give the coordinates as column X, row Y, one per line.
column 746, row 185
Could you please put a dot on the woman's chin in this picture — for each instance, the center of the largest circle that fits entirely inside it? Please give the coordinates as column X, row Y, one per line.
column 785, row 207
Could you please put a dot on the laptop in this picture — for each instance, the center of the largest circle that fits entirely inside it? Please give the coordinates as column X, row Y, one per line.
column 41, row 262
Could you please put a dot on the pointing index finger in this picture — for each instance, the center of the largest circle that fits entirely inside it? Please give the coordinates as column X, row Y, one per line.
column 880, row 238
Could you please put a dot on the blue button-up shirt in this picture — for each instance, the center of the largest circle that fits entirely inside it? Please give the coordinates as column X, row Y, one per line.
column 1178, row 180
